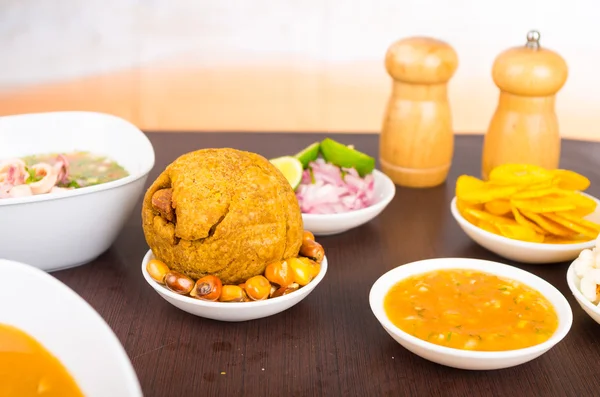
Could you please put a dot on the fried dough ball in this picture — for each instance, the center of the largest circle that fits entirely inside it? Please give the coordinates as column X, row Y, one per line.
column 221, row 212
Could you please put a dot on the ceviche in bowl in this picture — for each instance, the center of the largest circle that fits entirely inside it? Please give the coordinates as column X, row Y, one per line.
column 55, row 173
column 337, row 186
column 68, row 182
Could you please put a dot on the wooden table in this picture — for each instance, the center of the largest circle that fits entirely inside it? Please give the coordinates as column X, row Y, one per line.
column 330, row 344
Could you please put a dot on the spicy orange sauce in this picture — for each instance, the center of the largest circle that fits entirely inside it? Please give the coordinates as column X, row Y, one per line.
column 28, row 369
column 471, row 310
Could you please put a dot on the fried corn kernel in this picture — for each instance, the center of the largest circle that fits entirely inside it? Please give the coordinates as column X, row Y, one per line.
column 285, row 290
column 232, row 293
column 207, row 288
column 179, row 283
column 257, row 288
column 308, row 236
column 313, row 250
column 303, row 271
column 314, row 267
column 157, row 270
column 280, row 273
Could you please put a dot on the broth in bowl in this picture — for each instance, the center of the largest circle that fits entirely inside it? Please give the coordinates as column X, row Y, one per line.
column 471, row 310
column 51, row 173
column 28, row 369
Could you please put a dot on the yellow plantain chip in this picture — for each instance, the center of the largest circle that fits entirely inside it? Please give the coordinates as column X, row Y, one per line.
column 579, row 212
column 571, row 180
column 462, row 205
column 521, row 220
column 582, row 202
column 487, row 226
column 591, row 233
column 535, row 192
column 548, row 225
column 519, row 232
column 493, row 219
column 545, row 204
column 498, row 207
column 566, row 240
column 543, row 185
column 466, row 184
column 579, row 220
column 522, row 174
column 488, row 193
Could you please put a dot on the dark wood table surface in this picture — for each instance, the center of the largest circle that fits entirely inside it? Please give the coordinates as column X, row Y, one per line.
column 330, row 344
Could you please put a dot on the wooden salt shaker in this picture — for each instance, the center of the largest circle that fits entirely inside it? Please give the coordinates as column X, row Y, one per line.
column 417, row 141
column 524, row 128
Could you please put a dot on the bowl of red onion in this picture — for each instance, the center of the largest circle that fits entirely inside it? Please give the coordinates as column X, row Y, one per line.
column 340, row 189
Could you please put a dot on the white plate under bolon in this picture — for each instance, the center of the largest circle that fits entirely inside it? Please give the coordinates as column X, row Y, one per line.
column 232, row 311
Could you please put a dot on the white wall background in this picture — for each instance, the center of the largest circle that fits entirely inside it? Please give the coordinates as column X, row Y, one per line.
column 53, row 40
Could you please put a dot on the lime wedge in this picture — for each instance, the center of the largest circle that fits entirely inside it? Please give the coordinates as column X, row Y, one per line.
column 291, row 168
column 308, row 154
column 345, row 156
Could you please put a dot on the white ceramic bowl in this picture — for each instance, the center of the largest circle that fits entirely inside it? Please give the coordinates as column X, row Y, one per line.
column 60, row 230
column 523, row 251
column 465, row 359
column 573, row 281
column 328, row 224
column 68, row 327
column 232, row 311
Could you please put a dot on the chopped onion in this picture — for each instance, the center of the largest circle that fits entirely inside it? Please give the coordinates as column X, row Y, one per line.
column 327, row 189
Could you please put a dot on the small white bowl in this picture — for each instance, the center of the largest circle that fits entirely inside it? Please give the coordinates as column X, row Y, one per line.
column 573, row 282
column 69, row 328
column 60, row 230
column 328, row 224
column 232, row 311
column 466, row 359
column 523, row 251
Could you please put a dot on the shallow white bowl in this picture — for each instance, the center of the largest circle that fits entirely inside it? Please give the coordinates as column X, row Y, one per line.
column 68, row 327
column 232, row 311
column 523, row 251
column 465, row 359
column 328, row 224
column 573, row 281
column 60, row 230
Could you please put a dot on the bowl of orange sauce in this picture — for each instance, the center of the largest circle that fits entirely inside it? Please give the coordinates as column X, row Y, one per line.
column 54, row 344
column 469, row 313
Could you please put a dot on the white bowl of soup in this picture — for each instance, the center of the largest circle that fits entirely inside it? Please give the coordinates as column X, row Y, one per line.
column 469, row 313
column 53, row 343
column 68, row 183
column 525, row 251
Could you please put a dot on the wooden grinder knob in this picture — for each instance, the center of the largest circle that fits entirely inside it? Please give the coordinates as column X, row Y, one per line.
column 524, row 128
column 417, row 142
column 530, row 70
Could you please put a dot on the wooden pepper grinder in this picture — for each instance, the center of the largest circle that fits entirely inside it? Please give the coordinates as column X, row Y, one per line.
column 417, row 141
column 524, row 128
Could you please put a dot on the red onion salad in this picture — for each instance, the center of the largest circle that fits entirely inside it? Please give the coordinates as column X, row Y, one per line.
column 328, row 189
